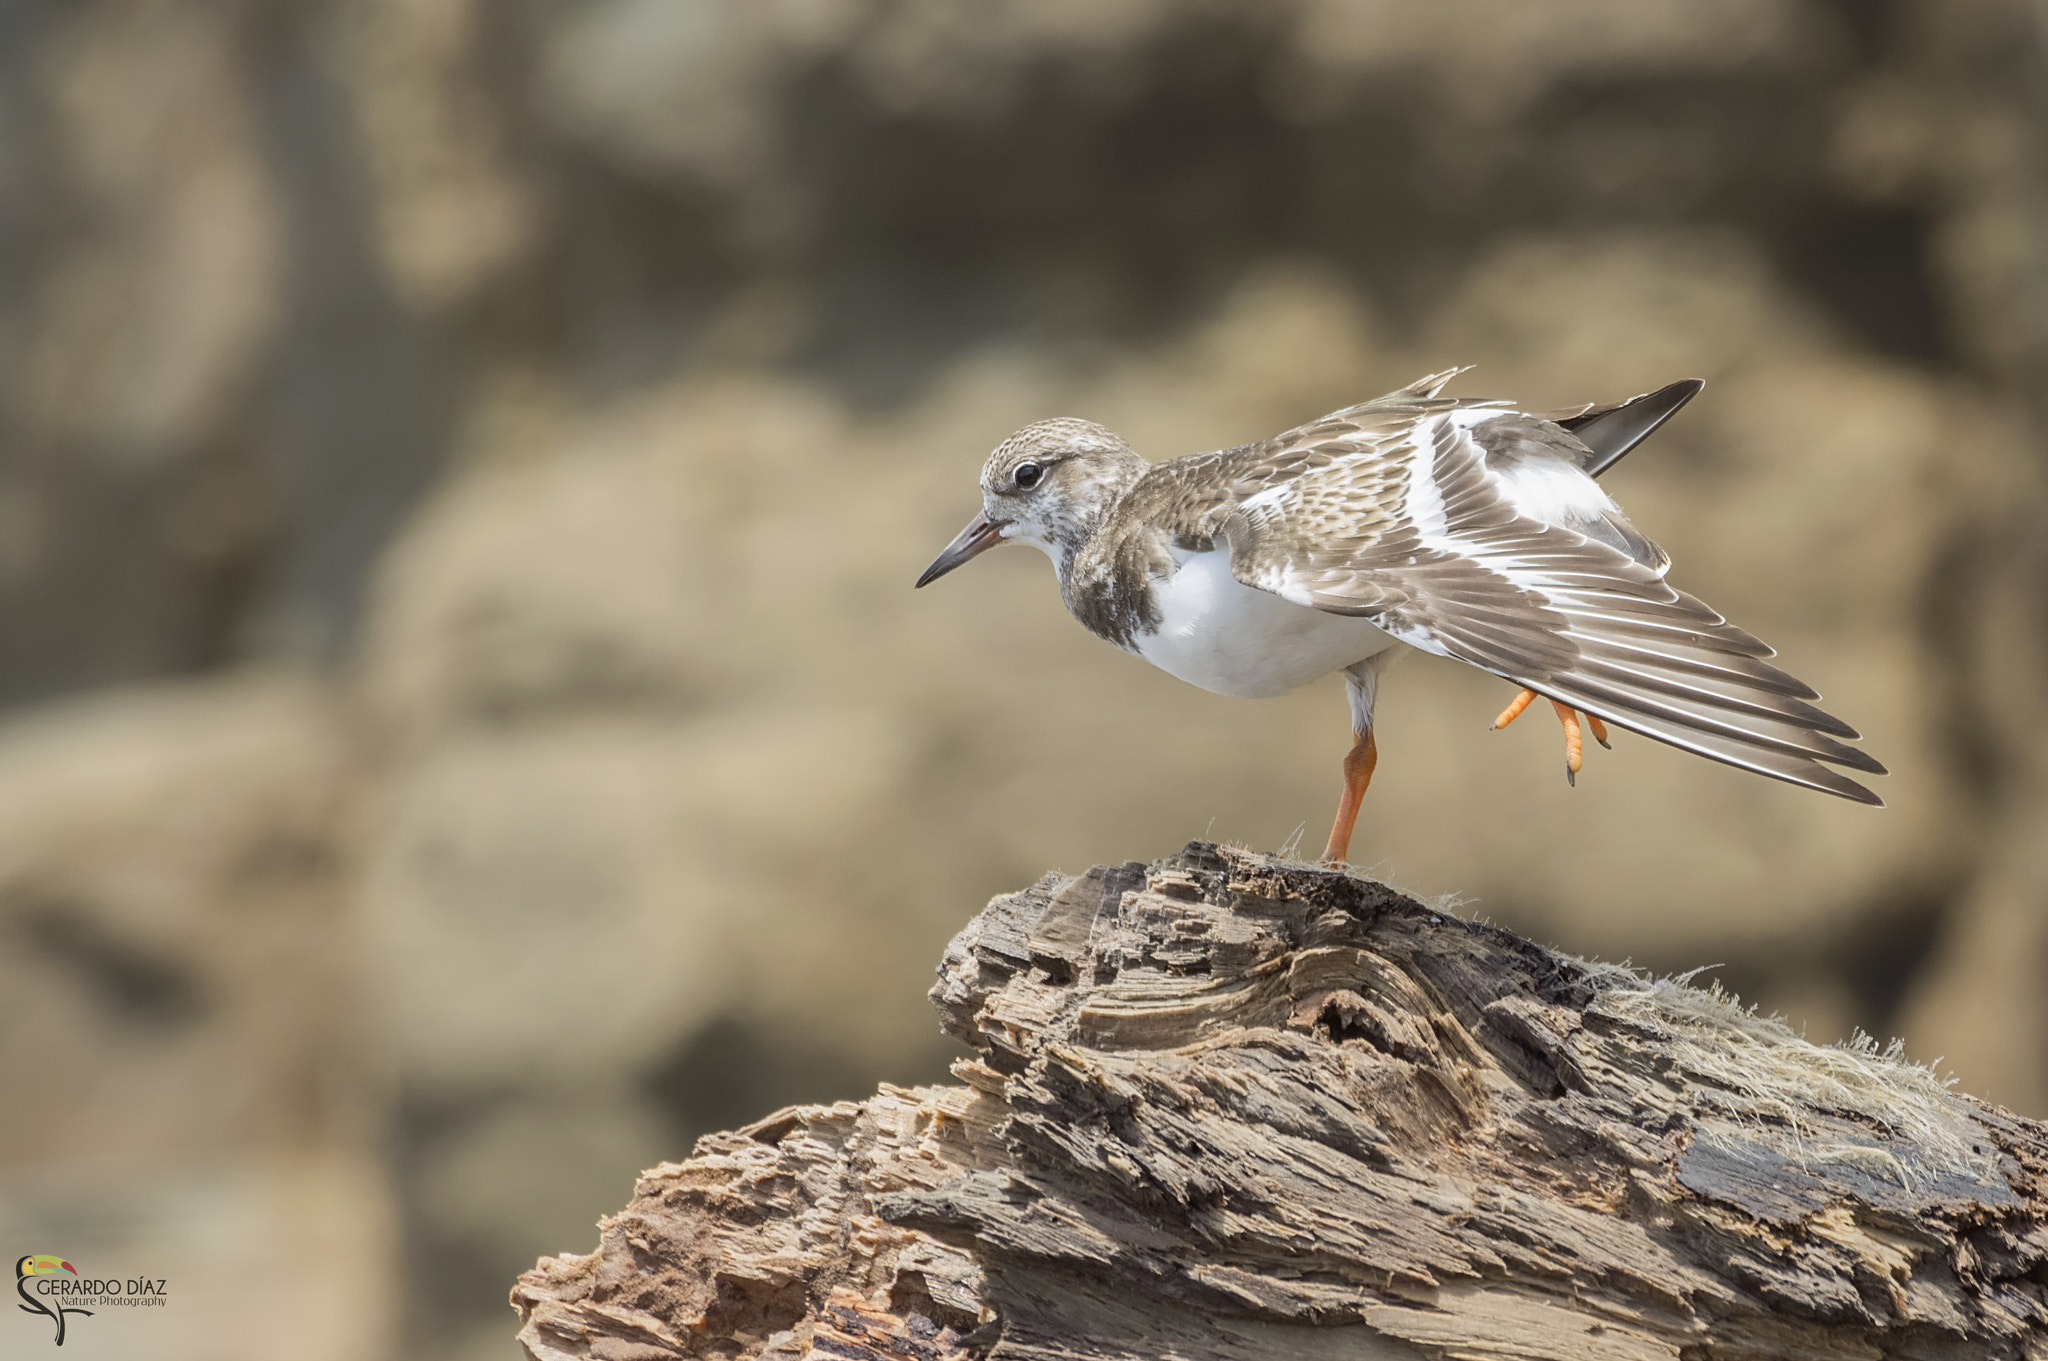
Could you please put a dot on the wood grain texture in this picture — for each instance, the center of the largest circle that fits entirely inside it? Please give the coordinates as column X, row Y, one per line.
column 1225, row 1106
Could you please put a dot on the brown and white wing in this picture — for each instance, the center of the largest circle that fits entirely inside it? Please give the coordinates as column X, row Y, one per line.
column 1190, row 497
column 1458, row 570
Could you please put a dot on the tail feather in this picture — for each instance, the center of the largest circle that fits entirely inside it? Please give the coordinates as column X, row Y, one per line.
column 1610, row 432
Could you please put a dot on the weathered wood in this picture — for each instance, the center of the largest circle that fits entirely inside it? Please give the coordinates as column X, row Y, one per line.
column 1228, row 1107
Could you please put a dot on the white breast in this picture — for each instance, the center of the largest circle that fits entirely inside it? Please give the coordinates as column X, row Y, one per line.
column 1233, row 639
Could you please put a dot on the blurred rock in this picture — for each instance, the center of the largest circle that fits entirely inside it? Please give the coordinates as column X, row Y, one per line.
column 154, row 309
column 1982, row 1007
column 173, row 878
column 144, row 247
column 449, row 213
column 1971, row 77
column 188, row 1094
column 1500, row 42
column 480, row 1190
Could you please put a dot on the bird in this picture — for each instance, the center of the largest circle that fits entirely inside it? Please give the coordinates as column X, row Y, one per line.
column 1463, row 527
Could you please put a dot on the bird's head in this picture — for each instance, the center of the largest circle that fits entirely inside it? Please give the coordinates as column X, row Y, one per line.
column 1050, row 485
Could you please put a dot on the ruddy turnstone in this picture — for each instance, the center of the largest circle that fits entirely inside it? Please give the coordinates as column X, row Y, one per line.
column 1463, row 527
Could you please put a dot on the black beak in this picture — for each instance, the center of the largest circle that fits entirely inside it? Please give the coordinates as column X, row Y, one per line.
column 980, row 535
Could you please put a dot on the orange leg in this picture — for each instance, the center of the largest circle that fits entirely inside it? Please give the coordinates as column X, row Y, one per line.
column 1358, row 766
column 1570, row 718
column 1514, row 710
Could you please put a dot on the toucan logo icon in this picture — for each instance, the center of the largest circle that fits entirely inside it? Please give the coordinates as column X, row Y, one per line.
column 42, row 1264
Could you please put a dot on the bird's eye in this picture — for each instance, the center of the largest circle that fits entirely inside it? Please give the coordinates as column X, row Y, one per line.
column 1027, row 476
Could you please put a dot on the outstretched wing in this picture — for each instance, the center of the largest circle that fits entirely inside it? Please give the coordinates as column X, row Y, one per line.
column 1429, row 543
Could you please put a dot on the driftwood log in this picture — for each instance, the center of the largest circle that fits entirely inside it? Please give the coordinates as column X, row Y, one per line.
column 1226, row 1106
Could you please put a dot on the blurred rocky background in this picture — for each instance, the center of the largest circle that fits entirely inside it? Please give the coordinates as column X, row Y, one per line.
column 462, row 466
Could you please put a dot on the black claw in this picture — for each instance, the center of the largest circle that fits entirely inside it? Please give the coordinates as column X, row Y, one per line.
column 1607, row 745
column 1571, row 777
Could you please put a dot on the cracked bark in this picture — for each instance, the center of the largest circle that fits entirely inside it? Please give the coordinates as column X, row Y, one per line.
column 1225, row 1106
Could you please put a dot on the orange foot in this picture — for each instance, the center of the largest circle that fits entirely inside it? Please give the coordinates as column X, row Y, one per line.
column 1566, row 715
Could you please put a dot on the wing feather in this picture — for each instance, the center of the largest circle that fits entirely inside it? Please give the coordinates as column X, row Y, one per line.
column 1413, row 531
column 1191, row 497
